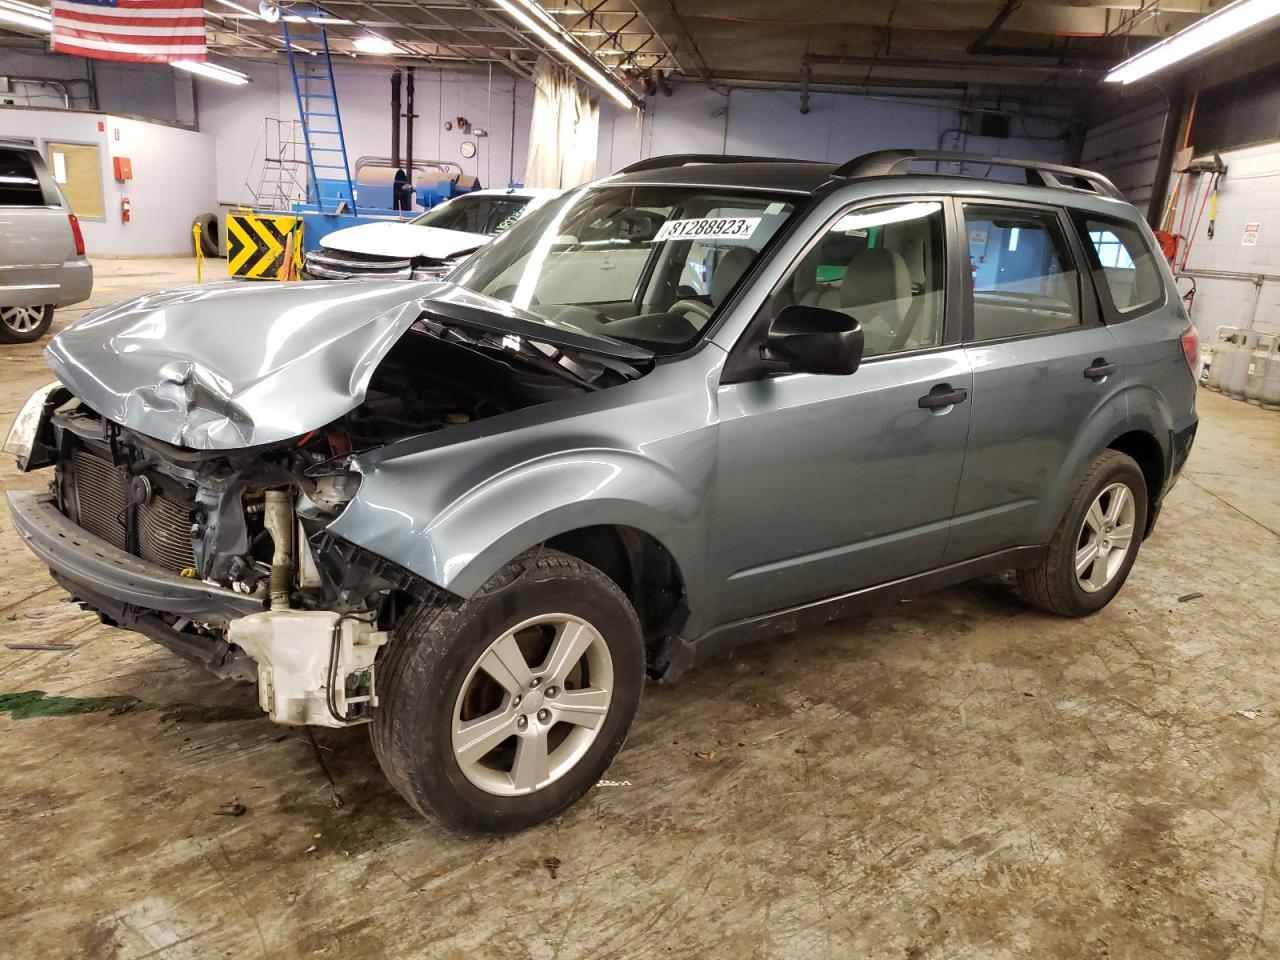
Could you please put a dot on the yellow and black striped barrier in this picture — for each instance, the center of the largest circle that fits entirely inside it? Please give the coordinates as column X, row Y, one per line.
column 264, row 246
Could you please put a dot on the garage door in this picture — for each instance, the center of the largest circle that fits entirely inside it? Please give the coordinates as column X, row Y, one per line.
column 1127, row 150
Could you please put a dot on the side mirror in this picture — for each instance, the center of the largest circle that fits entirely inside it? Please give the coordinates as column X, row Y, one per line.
column 814, row 340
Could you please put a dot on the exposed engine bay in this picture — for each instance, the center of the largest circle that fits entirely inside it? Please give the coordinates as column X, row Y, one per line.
column 253, row 521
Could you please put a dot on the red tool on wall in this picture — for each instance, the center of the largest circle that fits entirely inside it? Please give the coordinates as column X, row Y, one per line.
column 125, row 208
column 1216, row 170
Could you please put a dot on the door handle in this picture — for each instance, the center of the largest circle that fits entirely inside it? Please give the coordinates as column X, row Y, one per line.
column 1099, row 369
column 942, row 396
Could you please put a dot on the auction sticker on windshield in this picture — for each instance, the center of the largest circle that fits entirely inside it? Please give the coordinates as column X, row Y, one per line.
column 708, row 228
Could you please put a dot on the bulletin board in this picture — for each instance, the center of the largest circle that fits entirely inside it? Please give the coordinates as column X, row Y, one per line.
column 77, row 168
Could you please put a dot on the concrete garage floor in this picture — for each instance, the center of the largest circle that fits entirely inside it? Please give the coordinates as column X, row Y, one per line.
column 955, row 777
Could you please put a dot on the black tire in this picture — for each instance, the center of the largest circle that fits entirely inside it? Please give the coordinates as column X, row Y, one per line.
column 1052, row 585
column 10, row 324
column 430, row 657
column 208, row 224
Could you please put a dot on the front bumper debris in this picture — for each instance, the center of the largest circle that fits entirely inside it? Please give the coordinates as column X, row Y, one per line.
column 78, row 557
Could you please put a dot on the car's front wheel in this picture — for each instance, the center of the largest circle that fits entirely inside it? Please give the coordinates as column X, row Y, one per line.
column 1096, row 542
column 500, row 711
column 25, row 324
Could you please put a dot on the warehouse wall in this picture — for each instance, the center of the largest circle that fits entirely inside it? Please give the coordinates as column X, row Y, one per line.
column 693, row 119
column 837, row 127
column 1249, row 193
column 149, row 91
column 233, row 117
column 172, row 182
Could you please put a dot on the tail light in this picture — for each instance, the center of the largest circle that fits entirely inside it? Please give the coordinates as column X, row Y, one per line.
column 76, row 234
column 1191, row 350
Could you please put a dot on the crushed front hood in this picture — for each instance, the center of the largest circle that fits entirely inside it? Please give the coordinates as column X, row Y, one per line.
column 403, row 240
column 234, row 364
column 238, row 364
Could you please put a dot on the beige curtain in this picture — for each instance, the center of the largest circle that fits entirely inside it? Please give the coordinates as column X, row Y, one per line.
column 564, row 131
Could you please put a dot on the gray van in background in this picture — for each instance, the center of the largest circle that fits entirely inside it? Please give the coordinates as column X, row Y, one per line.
column 42, row 259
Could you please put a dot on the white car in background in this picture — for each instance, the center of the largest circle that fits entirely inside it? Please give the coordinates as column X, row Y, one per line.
column 424, row 248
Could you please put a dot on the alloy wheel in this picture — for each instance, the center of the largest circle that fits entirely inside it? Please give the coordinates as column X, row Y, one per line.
column 22, row 319
column 532, row 704
column 1105, row 538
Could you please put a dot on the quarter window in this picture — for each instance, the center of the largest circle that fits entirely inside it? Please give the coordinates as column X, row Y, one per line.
column 1127, row 264
column 885, row 267
column 1024, row 278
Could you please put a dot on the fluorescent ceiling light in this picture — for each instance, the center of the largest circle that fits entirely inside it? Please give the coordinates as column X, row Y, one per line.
column 25, row 15
column 212, row 71
column 1212, row 30
column 255, row 14
column 372, row 44
column 294, row 19
column 535, row 18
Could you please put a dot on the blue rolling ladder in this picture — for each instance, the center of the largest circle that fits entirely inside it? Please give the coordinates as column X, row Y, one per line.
column 330, row 174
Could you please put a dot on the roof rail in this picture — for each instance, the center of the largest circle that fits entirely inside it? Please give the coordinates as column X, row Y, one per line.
column 685, row 159
column 883, row 163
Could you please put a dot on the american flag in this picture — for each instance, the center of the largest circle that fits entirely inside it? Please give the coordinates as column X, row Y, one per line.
column 153, row 31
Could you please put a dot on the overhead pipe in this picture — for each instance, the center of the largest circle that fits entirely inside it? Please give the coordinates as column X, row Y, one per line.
column 950, row 65
column 992, row 28
column 1062, row 54
column 408, row 128
column 891, row 89
column 396, row 83
column 983, row 44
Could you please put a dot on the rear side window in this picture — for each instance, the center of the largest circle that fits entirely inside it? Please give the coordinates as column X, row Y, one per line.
column 1024, row 276
column 19, row 184
column 1124, row 264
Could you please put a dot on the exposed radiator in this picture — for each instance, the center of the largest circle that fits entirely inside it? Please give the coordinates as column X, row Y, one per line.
column 164, row 533
column 101, row 496
column 162, row 525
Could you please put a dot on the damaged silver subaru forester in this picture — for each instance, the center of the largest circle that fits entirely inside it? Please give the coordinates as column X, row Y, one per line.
column 623, row 438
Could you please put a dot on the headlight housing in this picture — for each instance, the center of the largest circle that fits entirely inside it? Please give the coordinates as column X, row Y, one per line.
column 21, row 440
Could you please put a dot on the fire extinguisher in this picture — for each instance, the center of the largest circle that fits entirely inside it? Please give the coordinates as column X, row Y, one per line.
column 124, row 209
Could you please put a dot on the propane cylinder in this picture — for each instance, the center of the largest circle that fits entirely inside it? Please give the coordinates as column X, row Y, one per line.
column 1256, row 368
column 1221, row 350
column 1270, row 393
column 1237, row 370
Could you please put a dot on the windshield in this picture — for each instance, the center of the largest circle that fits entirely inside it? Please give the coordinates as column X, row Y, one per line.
column 488, row 213
column 648, row 265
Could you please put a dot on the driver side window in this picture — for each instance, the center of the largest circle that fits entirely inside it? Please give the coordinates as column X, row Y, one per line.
column 885, row 267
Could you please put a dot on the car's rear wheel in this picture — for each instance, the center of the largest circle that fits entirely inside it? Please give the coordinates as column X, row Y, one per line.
column 1096, row 543
column 25, row 324
column 500, row 711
